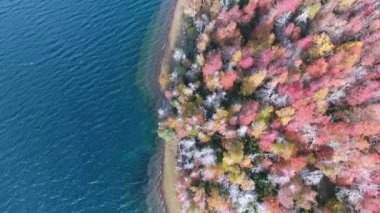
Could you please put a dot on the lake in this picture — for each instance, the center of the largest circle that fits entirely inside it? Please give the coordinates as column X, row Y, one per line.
column 76, row 133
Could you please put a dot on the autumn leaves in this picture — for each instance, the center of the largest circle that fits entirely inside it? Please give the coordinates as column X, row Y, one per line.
column 297, row 81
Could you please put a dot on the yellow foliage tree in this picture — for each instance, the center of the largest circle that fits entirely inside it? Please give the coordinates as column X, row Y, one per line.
column 321, row 94
column 313, row 10
column 322, row 45
column 234, row 154
column 258, row 128
column 352, row 52
column 251, row 83
column 236, row 57
column 285, row 114
column 286, row 151
column 241, row 179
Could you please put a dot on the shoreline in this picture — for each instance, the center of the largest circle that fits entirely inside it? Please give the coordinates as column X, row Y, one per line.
column 149, row 70
column 157, row 54
column 168, row 164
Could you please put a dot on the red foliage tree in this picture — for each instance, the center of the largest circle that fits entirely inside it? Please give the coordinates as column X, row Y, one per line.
column 318, row 68
column 228, row 79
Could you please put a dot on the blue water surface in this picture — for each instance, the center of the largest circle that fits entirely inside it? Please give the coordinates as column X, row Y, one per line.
column 75, row 132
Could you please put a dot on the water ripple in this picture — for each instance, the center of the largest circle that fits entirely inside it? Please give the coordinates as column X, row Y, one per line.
column 75, row 134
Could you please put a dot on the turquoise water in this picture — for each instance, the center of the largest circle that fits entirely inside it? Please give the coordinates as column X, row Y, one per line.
column 75, row 133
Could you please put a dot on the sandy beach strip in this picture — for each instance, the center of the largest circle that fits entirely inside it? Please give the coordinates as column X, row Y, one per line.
column 169, row 155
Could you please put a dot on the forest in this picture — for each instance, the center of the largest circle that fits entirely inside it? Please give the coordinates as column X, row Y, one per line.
column 274, row 106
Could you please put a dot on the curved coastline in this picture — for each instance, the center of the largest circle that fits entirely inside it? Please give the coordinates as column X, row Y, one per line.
column 162, row 36
column 169, row 177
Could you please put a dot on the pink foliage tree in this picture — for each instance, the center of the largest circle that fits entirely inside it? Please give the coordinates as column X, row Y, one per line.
column 248, row 113
column 212, row 65
column 246, row 62
column 284, row 6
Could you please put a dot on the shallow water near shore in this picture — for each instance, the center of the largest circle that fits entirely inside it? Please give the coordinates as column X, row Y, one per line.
column 149, row 69
column 76, row 132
